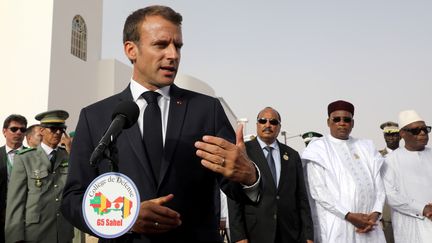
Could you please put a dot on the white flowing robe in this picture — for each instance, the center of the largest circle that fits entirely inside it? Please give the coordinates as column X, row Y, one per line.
column 344, row 176
column 407, row 178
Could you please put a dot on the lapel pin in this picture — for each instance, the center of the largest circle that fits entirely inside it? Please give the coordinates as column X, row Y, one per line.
column 179, row 102
column 285, row 156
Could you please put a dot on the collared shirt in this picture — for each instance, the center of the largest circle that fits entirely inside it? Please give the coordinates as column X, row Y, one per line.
column 10, row 152
column 275, row 154
column 47, row 149
column 163, row 101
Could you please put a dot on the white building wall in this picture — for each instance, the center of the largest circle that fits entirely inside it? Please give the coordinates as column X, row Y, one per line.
column 74, row 82
column 113, row 77
column 38, row 71
column 25, row 47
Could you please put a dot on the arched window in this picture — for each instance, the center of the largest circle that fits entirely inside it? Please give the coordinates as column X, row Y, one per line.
column 79, row 38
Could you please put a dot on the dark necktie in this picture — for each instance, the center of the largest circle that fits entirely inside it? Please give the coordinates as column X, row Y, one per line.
column 152, row 131
column 271, row 163
column 53, row 159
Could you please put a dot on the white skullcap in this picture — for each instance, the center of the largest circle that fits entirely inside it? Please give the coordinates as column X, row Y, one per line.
column 407, row 117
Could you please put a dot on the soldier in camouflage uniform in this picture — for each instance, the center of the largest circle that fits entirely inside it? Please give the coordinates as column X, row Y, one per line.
column 34, row 195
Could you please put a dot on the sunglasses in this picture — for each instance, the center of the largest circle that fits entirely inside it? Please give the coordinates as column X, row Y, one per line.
column 417, row 130
column 15, row 129
column 273, row 122
column 345, row 119
column 55, row 129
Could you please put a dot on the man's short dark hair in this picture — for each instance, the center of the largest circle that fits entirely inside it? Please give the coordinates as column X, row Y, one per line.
column 16, row 118
column 30, row 130
column 131, row 27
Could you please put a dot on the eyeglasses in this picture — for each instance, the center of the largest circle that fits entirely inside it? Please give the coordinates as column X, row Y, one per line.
column 417, row 130
column 15, row 129
column 55, row 129
column 273, row 122
column 345, row 119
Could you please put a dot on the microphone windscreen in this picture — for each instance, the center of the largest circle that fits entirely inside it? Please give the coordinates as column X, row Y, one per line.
column 129, row 110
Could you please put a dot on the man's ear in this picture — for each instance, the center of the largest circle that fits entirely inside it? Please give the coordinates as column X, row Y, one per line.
column 401, row 134
column 130, row 50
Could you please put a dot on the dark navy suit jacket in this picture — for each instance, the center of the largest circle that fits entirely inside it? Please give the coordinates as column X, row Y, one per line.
column 282, row 210
column 3, row 190
column 191, row 115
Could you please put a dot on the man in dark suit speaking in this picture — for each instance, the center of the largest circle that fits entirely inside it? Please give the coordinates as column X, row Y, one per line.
column 283, row 213
column 179, row 152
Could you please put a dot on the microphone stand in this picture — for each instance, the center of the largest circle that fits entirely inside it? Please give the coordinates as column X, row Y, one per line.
column 111, row 154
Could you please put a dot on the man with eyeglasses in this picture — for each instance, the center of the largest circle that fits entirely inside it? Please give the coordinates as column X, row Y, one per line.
column 344, row 181
column 407, row 178
column 283, row 215
column 34, row 195
column 14, row 127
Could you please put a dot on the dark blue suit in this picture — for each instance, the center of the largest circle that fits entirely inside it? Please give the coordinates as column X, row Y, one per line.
column 283, row 213
column 191, row 115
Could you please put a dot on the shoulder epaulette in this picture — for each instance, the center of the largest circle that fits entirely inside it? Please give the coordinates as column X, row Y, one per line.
column 25, row 150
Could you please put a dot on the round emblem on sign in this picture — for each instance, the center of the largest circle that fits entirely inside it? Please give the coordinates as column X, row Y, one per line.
column 111, row 205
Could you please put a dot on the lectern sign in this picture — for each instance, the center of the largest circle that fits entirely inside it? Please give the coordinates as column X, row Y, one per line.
column 111, row 205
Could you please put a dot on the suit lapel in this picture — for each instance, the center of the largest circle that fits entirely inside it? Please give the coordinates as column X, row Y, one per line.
column 44, row 157
column 284, row 173
column 134, row 138
column 176, row 115
column 61, row 157
column 3, row 156
column 3, row 159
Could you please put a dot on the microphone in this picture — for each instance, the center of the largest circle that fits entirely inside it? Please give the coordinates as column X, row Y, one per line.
column 124, row 116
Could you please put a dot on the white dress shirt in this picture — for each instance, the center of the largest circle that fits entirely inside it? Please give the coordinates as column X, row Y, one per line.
column 163, row 101
column 275, row 154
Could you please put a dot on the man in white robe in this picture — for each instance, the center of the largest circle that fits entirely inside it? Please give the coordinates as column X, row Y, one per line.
column 407, row 176
column 345, row 182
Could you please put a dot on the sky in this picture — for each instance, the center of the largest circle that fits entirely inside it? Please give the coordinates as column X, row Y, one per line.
column 298, row 56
